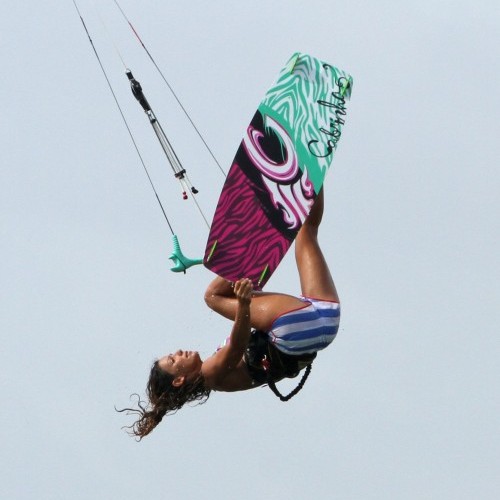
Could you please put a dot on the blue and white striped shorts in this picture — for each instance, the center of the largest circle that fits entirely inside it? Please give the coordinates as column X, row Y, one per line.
column 308, row 329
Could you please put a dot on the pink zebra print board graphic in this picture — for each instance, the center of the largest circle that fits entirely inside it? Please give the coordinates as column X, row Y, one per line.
column 278, row 170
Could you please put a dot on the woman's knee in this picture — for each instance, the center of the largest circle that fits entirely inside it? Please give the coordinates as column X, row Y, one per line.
column 308, row 232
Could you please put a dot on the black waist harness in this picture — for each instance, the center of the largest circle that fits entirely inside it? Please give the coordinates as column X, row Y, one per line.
column 268, row 365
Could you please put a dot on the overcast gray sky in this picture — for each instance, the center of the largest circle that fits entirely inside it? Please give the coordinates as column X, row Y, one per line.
column 404, row 404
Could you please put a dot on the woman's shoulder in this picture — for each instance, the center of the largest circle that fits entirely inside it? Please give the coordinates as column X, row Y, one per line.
column 223, row 378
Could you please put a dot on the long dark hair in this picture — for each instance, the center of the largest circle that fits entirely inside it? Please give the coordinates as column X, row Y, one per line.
column 164, row 398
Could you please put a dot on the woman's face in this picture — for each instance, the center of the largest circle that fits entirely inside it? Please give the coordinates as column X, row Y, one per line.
column 183, row 365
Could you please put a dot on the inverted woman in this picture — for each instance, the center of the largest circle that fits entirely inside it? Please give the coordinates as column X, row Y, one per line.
column 274, row 335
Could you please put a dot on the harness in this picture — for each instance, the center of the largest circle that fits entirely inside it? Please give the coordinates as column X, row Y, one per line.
column 267, row 365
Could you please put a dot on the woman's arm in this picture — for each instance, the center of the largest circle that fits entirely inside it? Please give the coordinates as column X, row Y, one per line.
column 222, row 365
column 265, row 306
column 226, row 369
column 240, row 333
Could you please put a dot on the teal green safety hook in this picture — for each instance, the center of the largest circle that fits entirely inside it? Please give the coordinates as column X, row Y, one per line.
column 180, row 261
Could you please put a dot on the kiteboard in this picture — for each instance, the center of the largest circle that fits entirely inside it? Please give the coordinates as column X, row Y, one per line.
column 278, row 170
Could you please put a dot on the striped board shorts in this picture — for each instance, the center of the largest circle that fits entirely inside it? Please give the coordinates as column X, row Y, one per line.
column 308, row 329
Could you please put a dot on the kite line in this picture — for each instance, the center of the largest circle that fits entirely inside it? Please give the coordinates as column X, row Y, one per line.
column 180, row 262
column 169, row 86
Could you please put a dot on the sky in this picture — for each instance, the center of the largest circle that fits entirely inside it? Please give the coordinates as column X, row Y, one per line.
column 404, row 403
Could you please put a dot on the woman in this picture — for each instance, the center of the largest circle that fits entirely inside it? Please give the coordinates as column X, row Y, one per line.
column 288, row 331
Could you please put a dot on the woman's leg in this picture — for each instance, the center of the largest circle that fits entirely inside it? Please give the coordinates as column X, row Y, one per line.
column 264, row 308
column 315, row 279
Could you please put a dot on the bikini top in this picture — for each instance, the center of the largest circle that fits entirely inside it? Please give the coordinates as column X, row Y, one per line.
column 267, row 365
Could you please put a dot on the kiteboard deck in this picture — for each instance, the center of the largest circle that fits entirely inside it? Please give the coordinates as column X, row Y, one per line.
column 278, row 170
